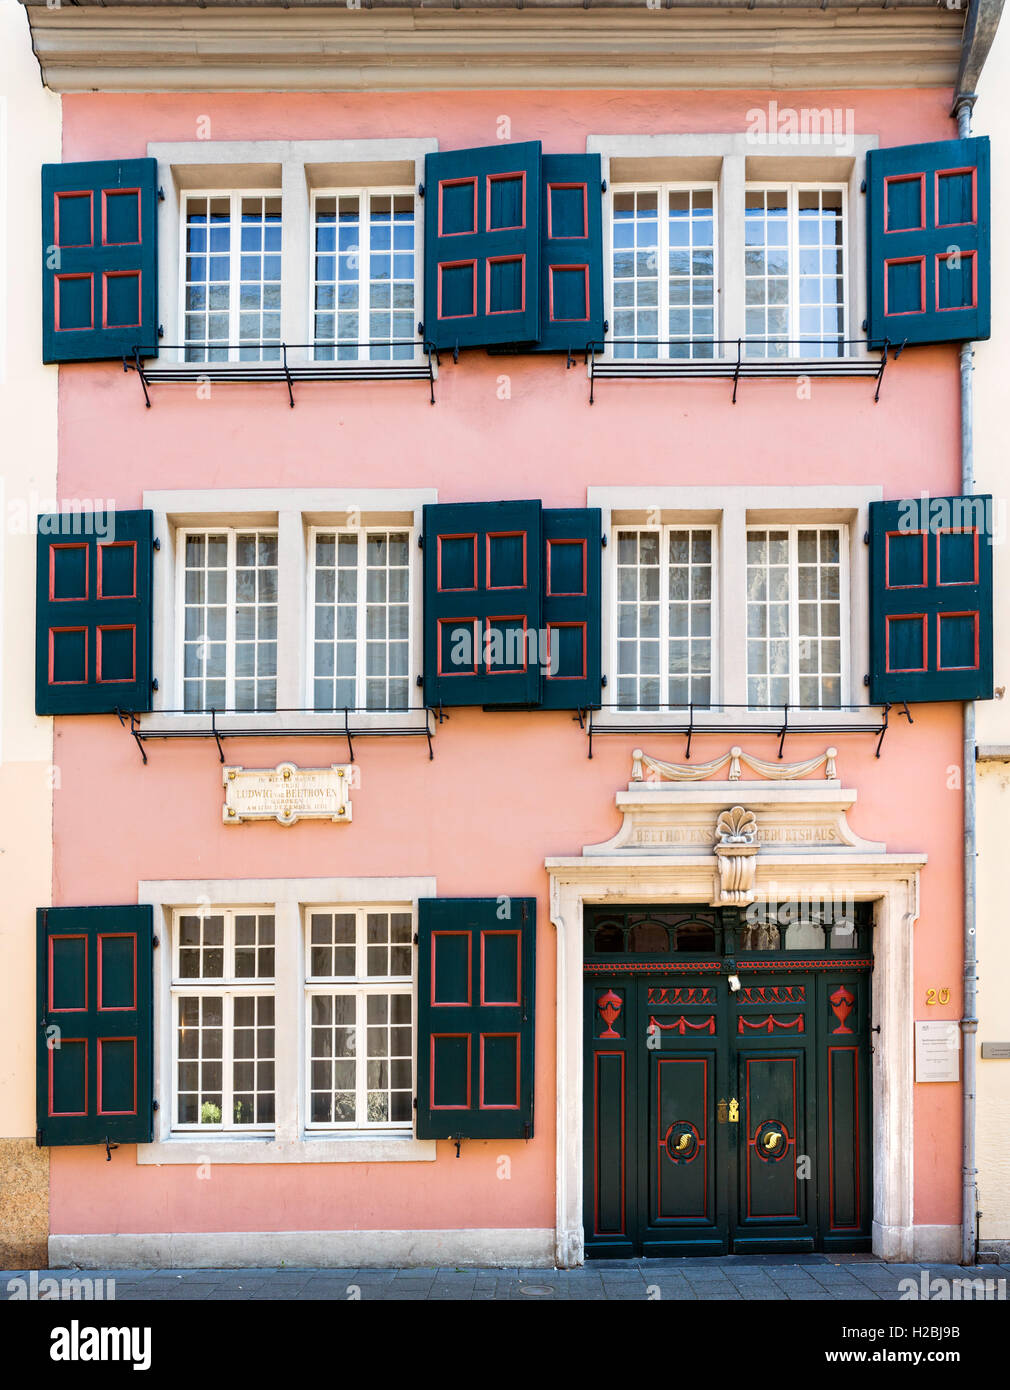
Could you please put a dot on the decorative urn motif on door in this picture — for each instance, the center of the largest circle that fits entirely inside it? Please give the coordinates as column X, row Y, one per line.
column 608, row 1006
column 735, row 850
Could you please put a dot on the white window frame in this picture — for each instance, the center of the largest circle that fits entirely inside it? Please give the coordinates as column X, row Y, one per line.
column 232, row 530
column 364, row 194
column 793, row 529
column 793, row 189
column 292, row 168
column 235, row 196
column 737, row 161
column 228, row 988
column 360, row 987
column 664, row 529
column 413, row 602
column 290, row 900
column 663, row 190
column 291, row 512
column 731, row 511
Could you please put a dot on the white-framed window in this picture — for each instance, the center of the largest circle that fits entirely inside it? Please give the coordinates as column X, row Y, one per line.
column 663, row 270
column 223, row 1022
column 227, row 617
column 359, row 1011
column 666, row 606
column 230, row 276
column 797, row 635
column 366, row 275
column 359, row 607
column 795, row 269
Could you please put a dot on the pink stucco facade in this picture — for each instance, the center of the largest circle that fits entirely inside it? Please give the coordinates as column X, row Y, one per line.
column 505, row 791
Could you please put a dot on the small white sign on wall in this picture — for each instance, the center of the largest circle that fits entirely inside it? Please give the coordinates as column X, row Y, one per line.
column 938, row 1051
column 286, row 794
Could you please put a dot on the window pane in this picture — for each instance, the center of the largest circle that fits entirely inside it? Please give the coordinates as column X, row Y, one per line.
column 766, row 272
column 690, row 324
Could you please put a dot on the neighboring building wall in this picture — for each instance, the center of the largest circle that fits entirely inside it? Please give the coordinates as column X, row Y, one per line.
column 992, row 118
column 505, row 790
column 29, row 136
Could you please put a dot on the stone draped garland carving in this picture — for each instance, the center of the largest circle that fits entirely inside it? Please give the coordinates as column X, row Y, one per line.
column 698, row 772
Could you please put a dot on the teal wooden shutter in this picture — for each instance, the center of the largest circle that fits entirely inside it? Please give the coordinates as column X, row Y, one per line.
column 482, row 246
column 927, row 210
column 94, row 1054
column 99, row 259
column 571, row 677
column 482, row 603
column 475, row 991
column 571, row 274
column 93, row 612
column 931, row 599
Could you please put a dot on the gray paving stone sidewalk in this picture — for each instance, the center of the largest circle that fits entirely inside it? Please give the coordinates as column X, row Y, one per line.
column 737, row 1278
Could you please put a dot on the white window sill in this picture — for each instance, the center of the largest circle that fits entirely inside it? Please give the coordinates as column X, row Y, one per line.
column 862, row 364
column 179, row 723
column 760, row 721
column 310, row 1148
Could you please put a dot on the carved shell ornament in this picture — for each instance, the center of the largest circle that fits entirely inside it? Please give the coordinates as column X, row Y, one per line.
column 737, row 827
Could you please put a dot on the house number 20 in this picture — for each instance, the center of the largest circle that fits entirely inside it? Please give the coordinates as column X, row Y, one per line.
column 938, row 996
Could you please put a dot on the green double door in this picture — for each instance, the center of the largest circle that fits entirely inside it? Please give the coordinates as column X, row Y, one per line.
column 721, row 1120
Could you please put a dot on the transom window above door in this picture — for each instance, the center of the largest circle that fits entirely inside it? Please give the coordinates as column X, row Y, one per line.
column 231, row 276
column 663, row 271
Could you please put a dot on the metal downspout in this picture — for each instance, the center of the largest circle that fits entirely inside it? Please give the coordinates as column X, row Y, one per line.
column 969, row 1021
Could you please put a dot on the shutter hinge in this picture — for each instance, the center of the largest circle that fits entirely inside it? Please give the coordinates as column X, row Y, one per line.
column 420, row 541
column 866, row 680
column 416, row 939
column 862, row 186
column 154, row 684
column 603, row 186
column 420, row 190
column 161, row 194
column 603, row 682
column 866, row 538
column 161, row 331
column 415, row 1102
column 38, row 1139
column 420, row 330
column 457, row 1141
column 155, row 1105
column 156, row 543
column 603, row 541
column 155, row 943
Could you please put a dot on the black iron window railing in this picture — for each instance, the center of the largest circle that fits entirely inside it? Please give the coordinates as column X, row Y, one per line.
column 735, row 358
column 347, row 723
column 420, row 365
column 780, row 720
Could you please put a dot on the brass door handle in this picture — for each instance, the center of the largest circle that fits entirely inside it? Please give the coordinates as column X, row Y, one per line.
column 772, row 1141
column 683, row 1141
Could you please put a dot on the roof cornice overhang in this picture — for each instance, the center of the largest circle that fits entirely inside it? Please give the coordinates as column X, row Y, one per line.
column 124, row 48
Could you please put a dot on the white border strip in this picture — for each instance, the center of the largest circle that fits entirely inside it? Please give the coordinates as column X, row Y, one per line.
column 482, row 1246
